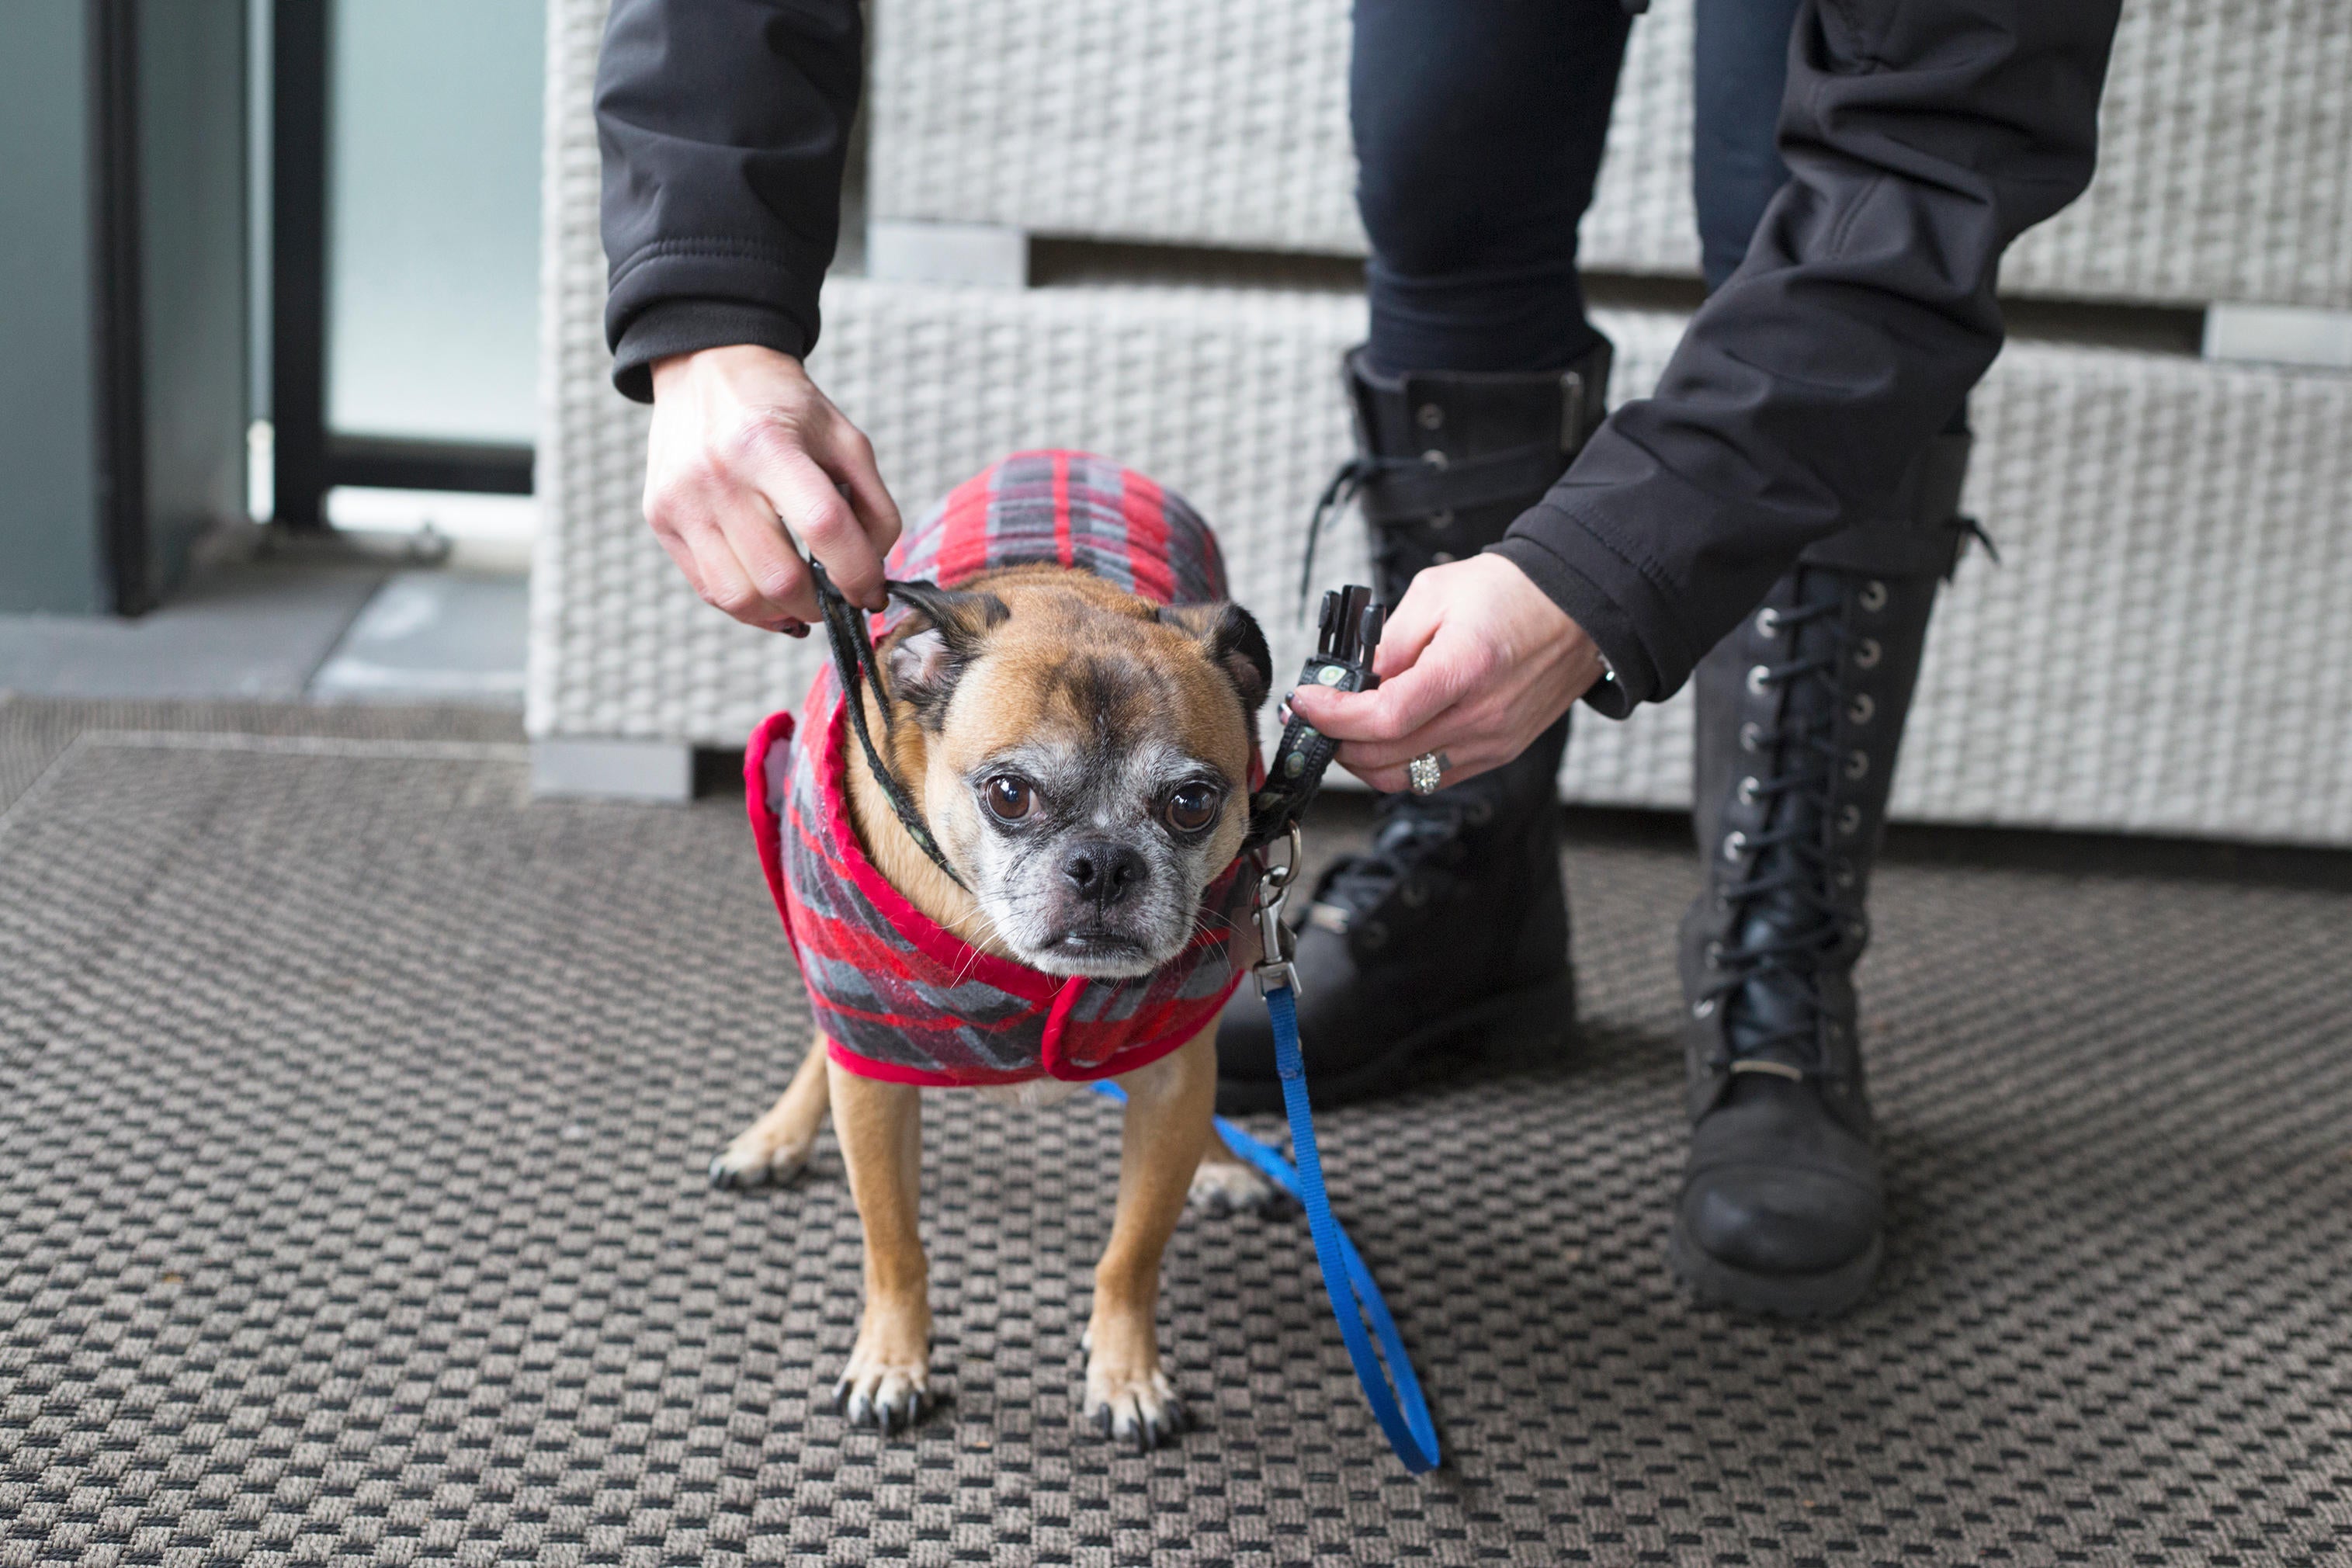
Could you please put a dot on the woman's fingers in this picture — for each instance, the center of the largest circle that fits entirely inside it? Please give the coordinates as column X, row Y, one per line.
column 752, row 536
column 1407, row 631
column 811, row 505
column 849, row 458
column 719, row 576
column 1477, row 664
column 748, row 463
column 1390, row 711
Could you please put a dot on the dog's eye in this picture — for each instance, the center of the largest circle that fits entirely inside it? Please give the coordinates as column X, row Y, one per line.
column 1009, row 799
column 1192, row 807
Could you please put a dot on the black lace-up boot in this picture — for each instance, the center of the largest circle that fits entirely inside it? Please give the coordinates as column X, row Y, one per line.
column 1454, row 927
column 1800, row 713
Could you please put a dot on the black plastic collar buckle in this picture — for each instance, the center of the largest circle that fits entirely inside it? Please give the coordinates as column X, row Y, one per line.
column 1348, row 633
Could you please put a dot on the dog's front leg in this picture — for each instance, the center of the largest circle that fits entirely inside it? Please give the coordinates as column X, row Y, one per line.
column 880, row 1126
column 775, row 1147
column 1169, row 1106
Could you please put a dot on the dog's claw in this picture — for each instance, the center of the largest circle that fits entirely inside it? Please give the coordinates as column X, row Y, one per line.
column 743, row 1163
column 1142, row 1410
column 1222, row 1188
column 891, row 1399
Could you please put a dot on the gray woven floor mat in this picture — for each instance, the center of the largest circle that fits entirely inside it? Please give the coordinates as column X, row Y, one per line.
column 351, row 1209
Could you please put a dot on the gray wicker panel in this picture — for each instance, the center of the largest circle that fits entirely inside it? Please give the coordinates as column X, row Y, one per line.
column 2163, row 650
column 2225, row 163
column 2223, row 171
column 1221, row 125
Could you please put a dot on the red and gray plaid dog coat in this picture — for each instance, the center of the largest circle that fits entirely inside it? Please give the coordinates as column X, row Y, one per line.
column 901, row 997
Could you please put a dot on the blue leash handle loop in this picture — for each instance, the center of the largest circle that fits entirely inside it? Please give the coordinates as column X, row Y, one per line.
column 1393, row 1391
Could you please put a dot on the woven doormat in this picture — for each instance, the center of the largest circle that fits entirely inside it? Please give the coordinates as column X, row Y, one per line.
column 352, row 1210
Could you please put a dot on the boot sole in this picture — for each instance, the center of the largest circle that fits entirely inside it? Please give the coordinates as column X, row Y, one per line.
column 1531, row 1014
column 1714, row 1283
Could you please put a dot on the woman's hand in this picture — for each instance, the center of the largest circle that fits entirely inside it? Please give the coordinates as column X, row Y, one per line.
column 743, row 437
column 1475, row 663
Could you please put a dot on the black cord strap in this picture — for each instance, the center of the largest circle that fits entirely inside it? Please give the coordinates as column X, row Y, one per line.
column 1348, row 633
column 854, row 664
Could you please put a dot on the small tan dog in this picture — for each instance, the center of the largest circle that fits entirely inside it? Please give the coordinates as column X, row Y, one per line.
column 1081, row 755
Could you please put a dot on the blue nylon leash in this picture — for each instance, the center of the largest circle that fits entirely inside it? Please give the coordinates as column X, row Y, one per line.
column 1393, row 1390
column 1348, row 631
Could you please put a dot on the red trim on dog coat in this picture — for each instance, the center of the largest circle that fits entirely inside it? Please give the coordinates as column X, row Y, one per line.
column 900, row 997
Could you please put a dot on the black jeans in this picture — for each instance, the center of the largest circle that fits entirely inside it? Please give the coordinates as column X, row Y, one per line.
column 1479, row 126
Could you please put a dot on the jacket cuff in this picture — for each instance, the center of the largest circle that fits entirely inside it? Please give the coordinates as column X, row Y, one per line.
column 1587, row 581
column 670, row 327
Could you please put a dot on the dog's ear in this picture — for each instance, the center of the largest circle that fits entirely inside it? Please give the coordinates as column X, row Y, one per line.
column 1234, row 643
column 933, row 648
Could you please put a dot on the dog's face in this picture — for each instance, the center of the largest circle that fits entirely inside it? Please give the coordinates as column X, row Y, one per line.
column 1084, row 758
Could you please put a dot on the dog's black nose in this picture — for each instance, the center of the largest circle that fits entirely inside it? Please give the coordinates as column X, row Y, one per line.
column 1103, row 872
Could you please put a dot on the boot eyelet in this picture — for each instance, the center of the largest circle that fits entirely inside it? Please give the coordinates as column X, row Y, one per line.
column 1845, row 875
column 1856, row 764
column 1440, row 520
column 1434, row 459
column 1750, row 791
column 1850, row 821
column 1866, row 653
column 1413, row 894
column 1703, row 1008
column 1441, row 558
column 1862, row 710
column 1431, row 417
column 1714, row 955
column 1767, row 622
column 1373, row 934
column 1735, row 845
column 1759, row 679
column 1857, row 931
column 1751, row 737
column 1873, row 596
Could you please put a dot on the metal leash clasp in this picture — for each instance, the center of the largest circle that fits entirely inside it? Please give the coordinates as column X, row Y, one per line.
column 1274, row 968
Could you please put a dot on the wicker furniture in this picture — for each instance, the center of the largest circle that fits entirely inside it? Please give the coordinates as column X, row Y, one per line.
column 2132, row 666
column 2223, row 160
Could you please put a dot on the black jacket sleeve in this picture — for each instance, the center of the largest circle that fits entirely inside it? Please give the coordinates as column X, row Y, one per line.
column 1921, row 139
column 724, row 125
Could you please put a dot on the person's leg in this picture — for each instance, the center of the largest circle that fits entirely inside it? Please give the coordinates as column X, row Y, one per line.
column 1800, row 718
column 1739, row 68
column 1479, row 126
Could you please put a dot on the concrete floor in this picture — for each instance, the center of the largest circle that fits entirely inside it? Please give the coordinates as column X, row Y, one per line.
column 291, row 630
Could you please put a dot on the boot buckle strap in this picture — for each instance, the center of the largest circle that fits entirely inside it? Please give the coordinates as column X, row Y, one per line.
column 1409, row 492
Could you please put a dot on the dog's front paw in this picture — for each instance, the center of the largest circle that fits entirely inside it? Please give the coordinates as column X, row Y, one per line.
column 758, row 1157
column 1229, row 1186
column 887, row 1395
column 1136, row 1407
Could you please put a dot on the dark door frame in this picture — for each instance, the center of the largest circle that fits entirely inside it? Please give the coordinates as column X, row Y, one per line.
column 118, row 317
column 310, row 459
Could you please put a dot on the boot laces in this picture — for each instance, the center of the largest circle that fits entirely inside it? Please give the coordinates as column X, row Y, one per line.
column 1787, row 866
column 1350, row 478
